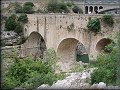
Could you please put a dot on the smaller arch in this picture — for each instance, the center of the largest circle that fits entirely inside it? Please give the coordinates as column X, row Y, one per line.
column 101, row 7
column 102, row 43
column 96, row 9
column 86, row 9
column 91, row 9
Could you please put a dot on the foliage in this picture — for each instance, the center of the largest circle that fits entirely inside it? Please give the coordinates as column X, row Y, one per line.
column 69, row 4
column 108, row 19
column 18, row 29
column 76, row 9
column 118, row 60
column 23, row 18
column 107, row 66
column 13, row 23
column 28, row 73
column 10, row 23
column 109, row 47
column 28, row 8
column 94, row 25
column 57, row 7
column 28, row 4
column 18, row 8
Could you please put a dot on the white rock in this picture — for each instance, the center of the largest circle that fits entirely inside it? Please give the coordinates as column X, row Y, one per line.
column 101, row 85
column 113, row 87
column 43, row 86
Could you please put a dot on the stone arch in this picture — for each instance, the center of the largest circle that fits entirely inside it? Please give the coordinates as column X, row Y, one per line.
column 35, row 45
column 91, row 9
column 102, row 43
column 96, row 9
column 86, row 9
column 101, row 7
column 66, row 52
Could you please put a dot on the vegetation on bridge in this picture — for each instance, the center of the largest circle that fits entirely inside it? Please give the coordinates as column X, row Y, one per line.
column 94, row 25
column 108, row 19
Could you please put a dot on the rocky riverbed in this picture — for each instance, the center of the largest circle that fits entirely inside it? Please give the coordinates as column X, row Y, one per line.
column 77, row 80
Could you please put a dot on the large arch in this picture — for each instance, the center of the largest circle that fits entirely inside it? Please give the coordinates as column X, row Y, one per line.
column 102, row 43
column 67, row 53
column 35, row 45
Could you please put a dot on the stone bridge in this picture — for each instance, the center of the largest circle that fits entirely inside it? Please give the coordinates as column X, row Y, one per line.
column 62, row 32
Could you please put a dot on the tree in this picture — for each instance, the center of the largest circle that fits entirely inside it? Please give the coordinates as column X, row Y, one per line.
column 57, row 7
column 23, row 18
column 106, row 68
column 18, row 29
column 76, row 9
column 10, row 23
column 28, row 9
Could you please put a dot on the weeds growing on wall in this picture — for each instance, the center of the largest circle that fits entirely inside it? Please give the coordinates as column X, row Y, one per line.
column 94, row 25
column 108, row 19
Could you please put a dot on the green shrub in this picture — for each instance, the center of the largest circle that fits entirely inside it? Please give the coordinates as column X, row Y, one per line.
column 13, row 24
column 94, row 25
column 57, row 7
column 69, row 4
column 28, row 4
column 108, row 19
column 18, row 8
column 76, row 9
column 107, row 66
column 109, row 47
column 10, row 23
column 23, row 18
column 28, row 73
column 28, row 9
column 18, row 29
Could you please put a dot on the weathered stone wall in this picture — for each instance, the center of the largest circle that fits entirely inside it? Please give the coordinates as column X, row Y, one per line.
column 55, row 28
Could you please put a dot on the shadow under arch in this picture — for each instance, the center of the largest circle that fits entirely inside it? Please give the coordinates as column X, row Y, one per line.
column 67, row 53
column 35, row 45
column 102, row 43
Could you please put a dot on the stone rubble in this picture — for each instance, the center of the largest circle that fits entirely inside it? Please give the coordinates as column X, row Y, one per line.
column 74, row 80
column 77, row 80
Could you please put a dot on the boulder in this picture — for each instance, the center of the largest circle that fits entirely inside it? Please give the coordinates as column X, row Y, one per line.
column 44, row 86
column 101, row 85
